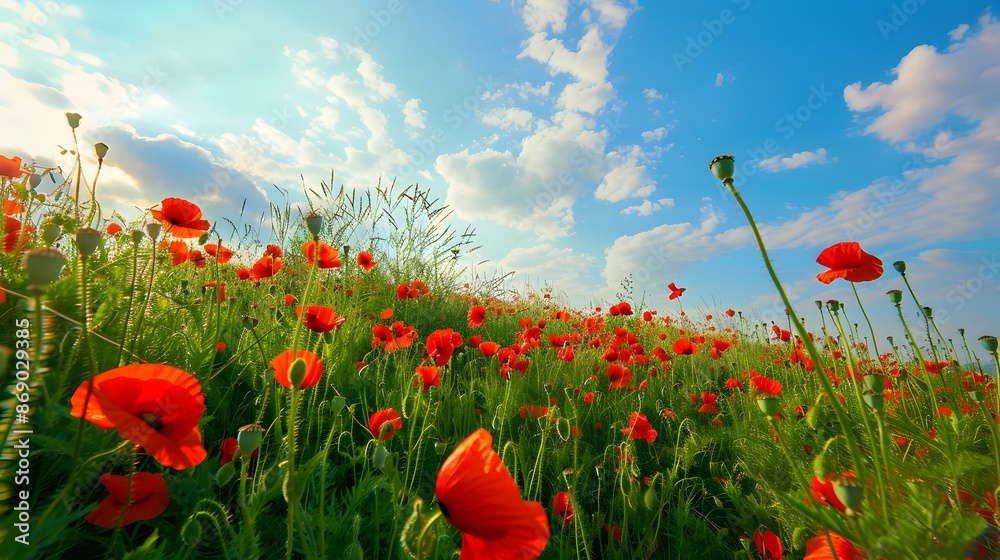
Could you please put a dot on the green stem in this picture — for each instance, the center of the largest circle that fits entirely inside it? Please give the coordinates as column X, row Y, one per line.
column 813, row 353
column 290, row 492
column 870, row 329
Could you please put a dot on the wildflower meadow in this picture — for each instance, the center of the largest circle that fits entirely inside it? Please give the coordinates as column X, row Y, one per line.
column 185, row 386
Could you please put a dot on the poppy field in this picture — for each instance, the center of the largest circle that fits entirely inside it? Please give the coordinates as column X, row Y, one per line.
column 333, row 384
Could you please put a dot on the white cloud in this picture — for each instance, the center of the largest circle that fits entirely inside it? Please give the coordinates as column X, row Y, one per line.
column 509, row 118
column 540, row 14
column 647, row 208
column 527, row 90
column 959, row 32
column 415, row 116
column 569, row 273
column 719, row 79
column 931, row 84
column 626, row 178
column 613, row 14
column 587, row 64
column 655, row 134
column 651, row 94
column 794, row 161
column 371, row 74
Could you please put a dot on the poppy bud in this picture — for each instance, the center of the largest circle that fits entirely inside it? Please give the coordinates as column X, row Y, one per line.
column 73, row 119
column 337, row 405
column 249, row 323
column 314, row 222
column 900, row 266
column 50, row 233
column 101, row 149
column 769, row 405
column 153, row 230
column 381, row 454
column 87, row 240
column 35, row 180
column 297, row 372
column 43, row 267
column 848, row 490
column 895, row 296
column 889, row 338
column 723, row 167
column 248, row 438
column 225, row 474
column 136, row 236
column 203, row 239
column 989, row 342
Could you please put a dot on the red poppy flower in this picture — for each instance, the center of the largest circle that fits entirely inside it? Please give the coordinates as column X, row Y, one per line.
column 366, row 261
column 221, row 254
column 730, row 312
column 181, row 218
column 824, row 493
column 283, row 362
column 818, row 548
column 684, row 346
column 489, row 348
column 562, row 506
column 477, row 315
column 114, row 229
column 769, row 545
column 178, row 253
column 387, row 420
column 327, row 255
column 764, row 385
column 197, row 258
column 273, row 250
column 675, row 292
column 708, row 403
column 430, row 375
column 10, row 167
column 533, row 410
column 639, row 428
column 212, row 284
column 149, row 498
column 733, row 383
column 619, row 376
column 320, row 318
column 848, row 261
column 244, row 273
column 479, row 498
column 155, row 406
column 228, row 448
column 441, row 345
column 265, row 267
column 395, row 337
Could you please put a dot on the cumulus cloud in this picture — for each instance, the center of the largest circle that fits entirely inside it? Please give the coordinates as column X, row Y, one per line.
column 647, row 208
column 540, row 14
column 509, row 118
column 651, row 94
column 781, row 162
column 655, row 134
column 414, row 115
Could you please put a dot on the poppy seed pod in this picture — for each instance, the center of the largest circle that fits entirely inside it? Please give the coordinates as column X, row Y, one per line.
column 895, row 296
column 819, row 304
column 43, row 267
column 73, row 119
column 87, row 240
column 989, row 342
column 723, row 167
column 248, row 438
column 101, row 149
column 136, row 236
column 153, row 230
column 928, row 312
column 314, row 222
column 50, row 233
column 34, row 180
column 900, row 266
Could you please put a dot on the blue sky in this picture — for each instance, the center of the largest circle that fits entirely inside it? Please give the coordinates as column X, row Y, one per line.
column 573, row 135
